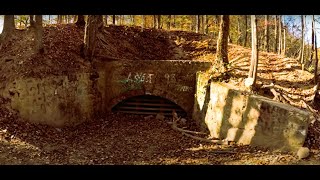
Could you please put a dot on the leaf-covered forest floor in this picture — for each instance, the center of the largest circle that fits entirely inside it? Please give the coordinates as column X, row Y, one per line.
column 130, row 139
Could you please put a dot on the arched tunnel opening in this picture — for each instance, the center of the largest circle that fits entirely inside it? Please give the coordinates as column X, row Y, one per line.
column 148, row 105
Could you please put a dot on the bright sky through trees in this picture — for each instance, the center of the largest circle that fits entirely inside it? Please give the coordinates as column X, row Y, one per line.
column 292, row 21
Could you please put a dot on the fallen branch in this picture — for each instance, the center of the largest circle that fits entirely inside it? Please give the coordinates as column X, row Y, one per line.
column 268, row 86
column 278, row 96
column 287, row 98
column 175, row 127
column 185, row 132
column 220, row 142
column 222, row 152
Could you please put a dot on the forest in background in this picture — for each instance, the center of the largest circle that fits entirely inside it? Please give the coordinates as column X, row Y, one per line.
column 276, row 33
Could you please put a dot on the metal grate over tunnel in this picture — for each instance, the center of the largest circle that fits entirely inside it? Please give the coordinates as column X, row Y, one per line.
column 148, row 105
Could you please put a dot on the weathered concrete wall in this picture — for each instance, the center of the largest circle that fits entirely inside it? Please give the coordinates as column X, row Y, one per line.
column 72, row 99
column 248, row 119
column 174, row 80
column 54, row 100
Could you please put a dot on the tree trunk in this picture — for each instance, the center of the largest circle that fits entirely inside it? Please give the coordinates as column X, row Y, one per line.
column 202, row 24
column 266, row 33
column 8, row 24
column 280, row 36
column 106, row 20
column 284, row 41
column 114, row 19
column 197, row 23
column 59, row 19
column 80, row 21
column 276, row 34
column 316, row 51
column 32, row 21
column 39, row 34
column 312, row 40
column 302, row 43
column 93, row 25
column 238, row 31
column 159, row 22
column 222, row 43
column 217, row 19
column 133, row 20
column 174, row 21
column 254, row 52
column 169, row 22
column 205, row 24
column 121, row 20
column 155, row 21
column 245, row 30
column 143, row 22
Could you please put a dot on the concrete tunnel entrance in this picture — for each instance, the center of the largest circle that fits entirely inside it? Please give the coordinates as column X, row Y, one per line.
column 148, row 105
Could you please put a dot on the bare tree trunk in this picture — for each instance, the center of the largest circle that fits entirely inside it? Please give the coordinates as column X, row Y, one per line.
column 222, row 43
column 159, row 22
column 143, row 22
column 312, row 40
column 280, row 36
column 93, row 25
column 39, row 34
column 169, row 22
column 276, row 33
column 133, row 20
column 80, row 21
column 205, row 24
column 266, row 33
column 217, row 19
column 8, row 28
column 245, row 30
column 121, row 20
column 197, row 23
column 202, row 24
column 316, row 51
column 284, row 41
column 8, row 24
column 254, row 54
column 174, row 21
column 106, row 20
column 302, row 43
column 114, row 19
column 193, row 23
column 32, row 21
column 155, row 21
column 239, row 31
column 59, row 19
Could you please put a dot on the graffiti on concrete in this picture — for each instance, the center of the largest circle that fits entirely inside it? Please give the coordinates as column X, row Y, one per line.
column 140, row 77
column 170, row 78
column 135, row 81
column 184, row 88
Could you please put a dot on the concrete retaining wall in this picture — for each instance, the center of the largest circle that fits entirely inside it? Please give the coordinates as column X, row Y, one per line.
column 231, row 114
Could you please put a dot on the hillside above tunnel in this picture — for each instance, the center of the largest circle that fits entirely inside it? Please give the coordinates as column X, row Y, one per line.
column 63, row 44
